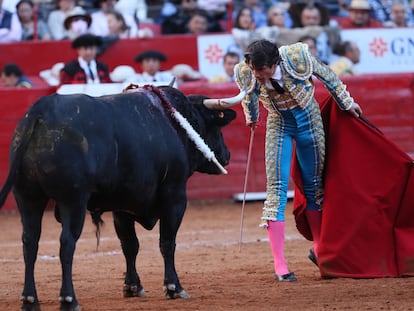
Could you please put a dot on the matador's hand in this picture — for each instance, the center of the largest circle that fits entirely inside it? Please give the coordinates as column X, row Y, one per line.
column 355, row 110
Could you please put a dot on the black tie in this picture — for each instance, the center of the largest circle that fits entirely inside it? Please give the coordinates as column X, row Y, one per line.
column 90, row 72
column 277, row 87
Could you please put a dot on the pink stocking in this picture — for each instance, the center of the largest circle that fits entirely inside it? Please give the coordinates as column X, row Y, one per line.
column 276, row 233
column 314, row 219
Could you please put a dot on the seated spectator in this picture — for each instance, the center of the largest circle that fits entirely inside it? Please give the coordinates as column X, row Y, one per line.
column 399, row 17
column 382, row 10
column 10, row 28
column 243, row 29
column 77, row 23
column 329, row 37
column 359, row 16
column 295, row 11
column 85, row 69
column 118, row 27
column 175, row 20
column 198, row 23
column 24, row 9
column 244, row 32
column 12, row 76
column 349, row 56
column 99, row 26
column 230, row 59
column 57, row 17
column 312, row 44
column 276, row 16
column 258, row 8
column 150, row 61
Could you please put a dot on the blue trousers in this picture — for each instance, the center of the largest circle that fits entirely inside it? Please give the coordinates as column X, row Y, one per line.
column 304, row 128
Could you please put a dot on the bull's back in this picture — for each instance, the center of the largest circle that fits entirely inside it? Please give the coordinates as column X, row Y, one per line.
column 110, row 142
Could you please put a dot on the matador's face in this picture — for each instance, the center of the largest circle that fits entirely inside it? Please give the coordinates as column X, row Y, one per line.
column 264, row 73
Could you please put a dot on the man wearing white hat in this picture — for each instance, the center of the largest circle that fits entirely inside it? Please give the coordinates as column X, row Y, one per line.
column 359, row 16
column 77, row 23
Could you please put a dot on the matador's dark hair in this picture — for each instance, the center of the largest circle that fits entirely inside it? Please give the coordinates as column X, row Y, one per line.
column 261, row 53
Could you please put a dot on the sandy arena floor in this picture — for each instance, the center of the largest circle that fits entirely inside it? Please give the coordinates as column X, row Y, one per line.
column 211, row 267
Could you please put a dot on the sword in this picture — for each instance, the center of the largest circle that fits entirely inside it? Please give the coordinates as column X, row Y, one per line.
column 246, row 177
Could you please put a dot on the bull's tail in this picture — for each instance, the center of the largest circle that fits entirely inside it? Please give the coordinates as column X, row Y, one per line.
column 26, row 130
column 98, row 222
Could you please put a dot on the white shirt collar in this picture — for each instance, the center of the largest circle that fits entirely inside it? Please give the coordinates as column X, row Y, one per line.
column 277, row 76
column 84, row 65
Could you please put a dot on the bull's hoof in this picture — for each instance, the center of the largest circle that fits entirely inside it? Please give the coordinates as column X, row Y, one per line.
column 133, row 291
column 65, row 307
column 171, row 293
column 31, row 307
column 67, row 304
column 29, row 303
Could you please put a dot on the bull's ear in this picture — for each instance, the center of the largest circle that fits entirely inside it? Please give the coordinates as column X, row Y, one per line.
column 223, row 117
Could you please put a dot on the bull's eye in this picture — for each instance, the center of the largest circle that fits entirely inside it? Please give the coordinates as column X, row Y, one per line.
column 221, row 114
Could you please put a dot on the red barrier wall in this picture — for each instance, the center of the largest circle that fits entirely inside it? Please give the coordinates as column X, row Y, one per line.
column 387, row 101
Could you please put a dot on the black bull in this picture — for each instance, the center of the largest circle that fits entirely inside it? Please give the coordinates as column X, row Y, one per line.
column 122, row 153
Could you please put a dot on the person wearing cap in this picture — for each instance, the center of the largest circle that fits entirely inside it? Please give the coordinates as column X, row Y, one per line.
column 359, row 16
column 77, row 23
column 85, row 69
column 150, row 61
column 281, row 79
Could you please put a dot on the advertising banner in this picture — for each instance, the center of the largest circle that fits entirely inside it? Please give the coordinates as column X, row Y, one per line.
column 382, row 50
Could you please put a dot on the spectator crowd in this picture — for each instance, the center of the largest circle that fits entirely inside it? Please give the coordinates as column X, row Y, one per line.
column 282, row 22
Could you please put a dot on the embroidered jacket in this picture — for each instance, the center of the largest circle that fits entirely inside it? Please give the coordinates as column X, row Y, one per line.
column 297, row 67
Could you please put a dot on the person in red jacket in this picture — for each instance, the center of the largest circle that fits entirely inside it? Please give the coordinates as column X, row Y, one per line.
column 85, row 69
column 359, row 16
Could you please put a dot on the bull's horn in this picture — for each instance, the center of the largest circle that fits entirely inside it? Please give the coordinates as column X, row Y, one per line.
column 224, row 103
column 172, row 82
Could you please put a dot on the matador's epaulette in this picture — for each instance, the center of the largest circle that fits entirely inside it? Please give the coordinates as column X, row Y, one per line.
column 296, row 60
